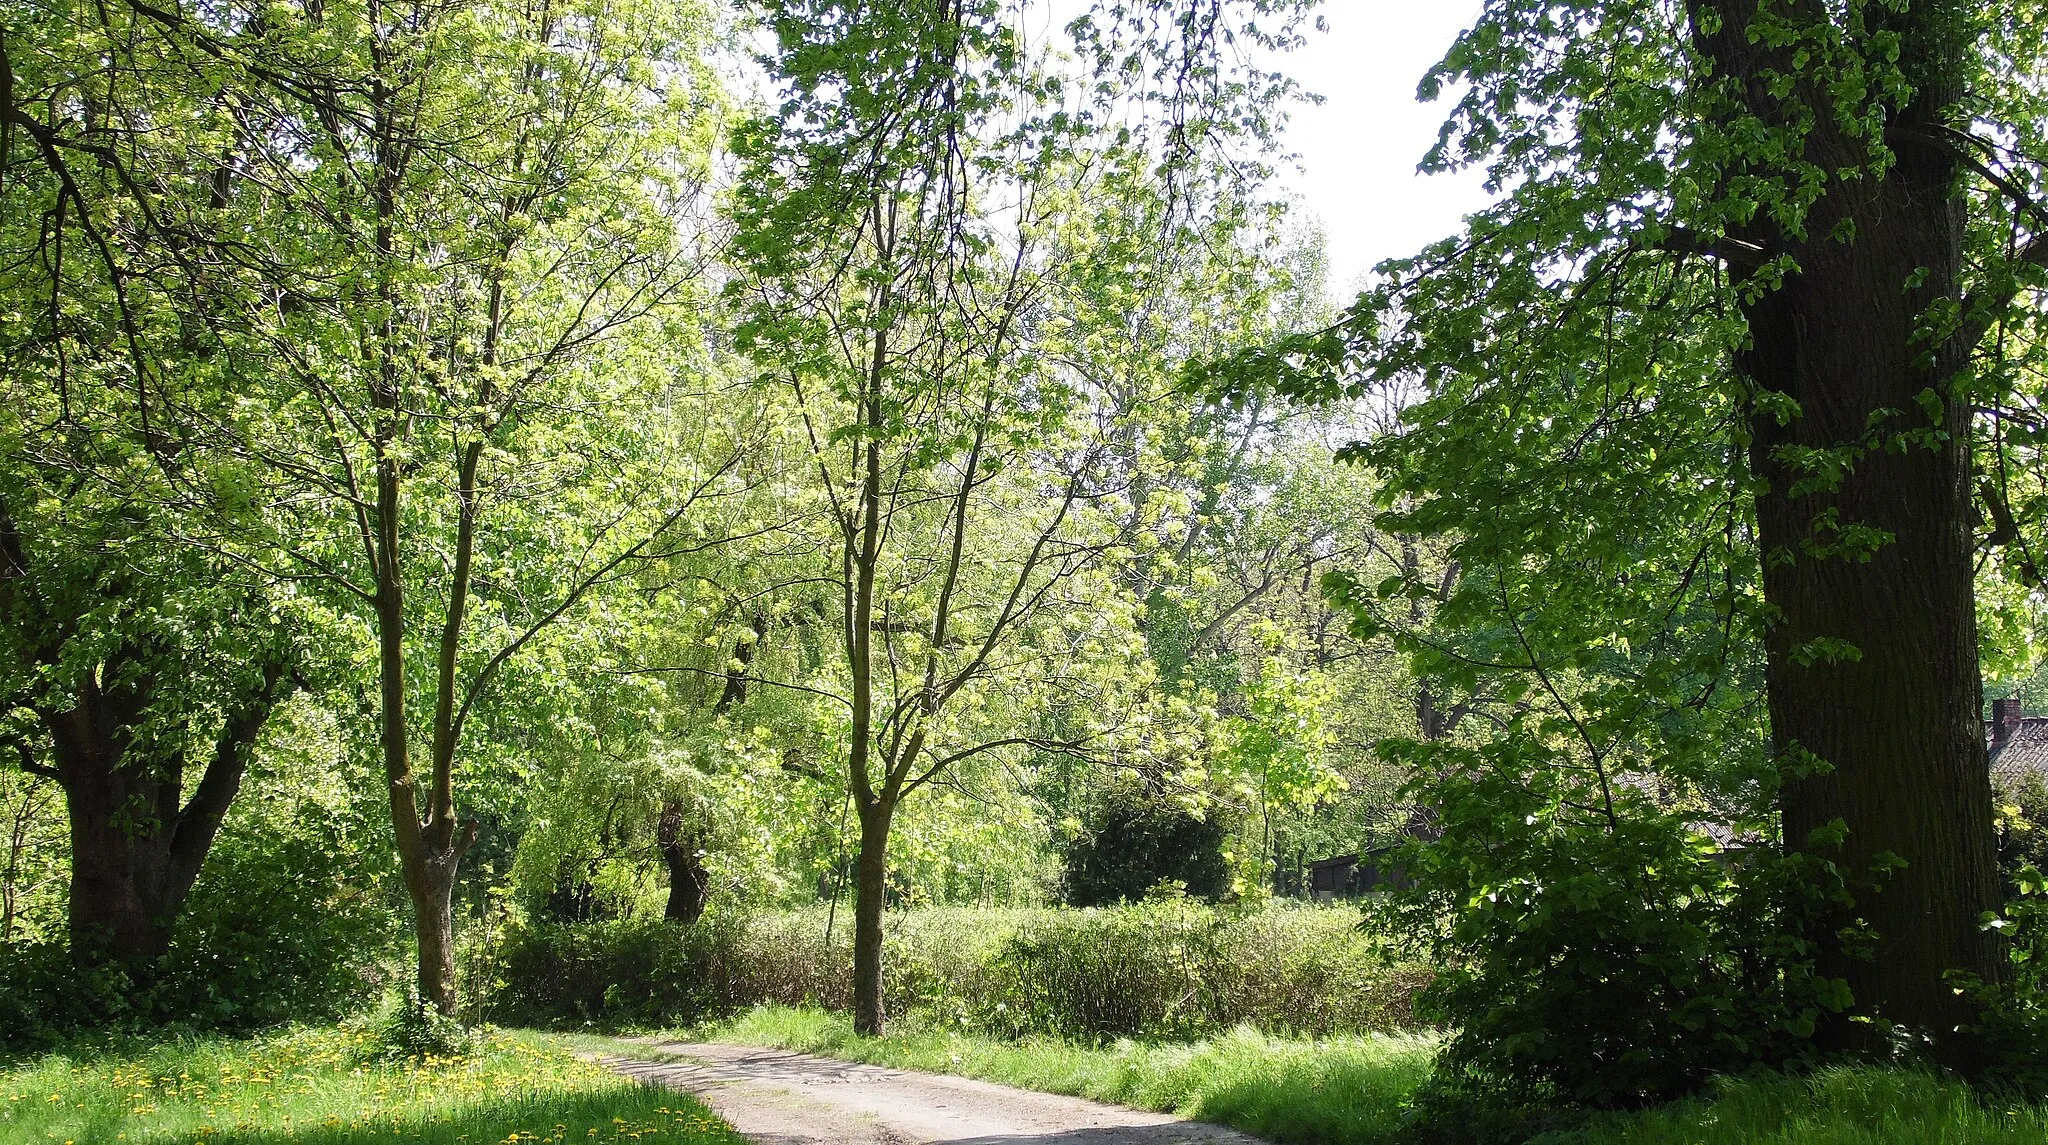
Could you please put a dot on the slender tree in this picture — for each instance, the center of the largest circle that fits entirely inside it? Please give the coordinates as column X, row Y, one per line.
column 482, row 221
column 906, row 224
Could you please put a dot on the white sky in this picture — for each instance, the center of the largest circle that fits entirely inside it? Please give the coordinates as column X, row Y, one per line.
column 1358, row 150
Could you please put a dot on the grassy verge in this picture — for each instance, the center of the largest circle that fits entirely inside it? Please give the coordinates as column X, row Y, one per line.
column 1348, row 1089
column 310, row 1088
column 1844, row 1106
column 1355, row 1091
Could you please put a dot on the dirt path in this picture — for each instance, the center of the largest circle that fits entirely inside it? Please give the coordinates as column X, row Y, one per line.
column 779, row 1098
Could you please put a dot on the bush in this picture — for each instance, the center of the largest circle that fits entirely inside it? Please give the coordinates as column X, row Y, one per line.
column 2022, row 818
column 1161, row 969
column 626, row 972
column 1177, row 970
column 277, row 930
column 415, row 1031
column 1600, row 961
column 2015, row 1013
column 1134, row 840
column 48, row 1000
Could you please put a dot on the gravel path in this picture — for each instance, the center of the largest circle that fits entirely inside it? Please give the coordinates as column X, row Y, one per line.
column 779, row 1098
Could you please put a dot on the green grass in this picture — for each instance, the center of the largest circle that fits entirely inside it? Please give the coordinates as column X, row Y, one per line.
column 1354, row 1091
column 1843, row 1106
column 310, row 1087
column 1347, row 1089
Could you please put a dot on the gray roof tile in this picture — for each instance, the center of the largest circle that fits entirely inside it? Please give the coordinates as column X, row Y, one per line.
column 2024, row 754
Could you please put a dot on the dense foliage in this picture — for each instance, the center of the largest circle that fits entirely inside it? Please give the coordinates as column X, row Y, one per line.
column 642, row 508
column 1157, row 970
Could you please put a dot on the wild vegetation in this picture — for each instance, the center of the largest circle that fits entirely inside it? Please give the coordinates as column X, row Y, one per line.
column 621, row 513
column 1160, row 970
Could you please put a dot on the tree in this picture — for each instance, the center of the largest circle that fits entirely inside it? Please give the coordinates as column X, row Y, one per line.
column 1135, row 839
column 1752, row 276
column 145, row 660
column 480, row 218
column 912, row 223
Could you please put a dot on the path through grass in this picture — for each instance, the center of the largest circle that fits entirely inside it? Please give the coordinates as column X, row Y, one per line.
column 1350, row 1089
column 310, row 1087
column 1355, row 1091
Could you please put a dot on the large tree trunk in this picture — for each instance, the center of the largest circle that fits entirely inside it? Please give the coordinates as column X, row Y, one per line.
column 137, row 843
column 870, row 890
column 1872, row 670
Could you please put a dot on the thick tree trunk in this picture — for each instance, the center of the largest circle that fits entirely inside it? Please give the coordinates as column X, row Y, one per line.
column 1872, row 670
column 870, row 890
column 1892, row 711
column 137, row 842
column 124, row 891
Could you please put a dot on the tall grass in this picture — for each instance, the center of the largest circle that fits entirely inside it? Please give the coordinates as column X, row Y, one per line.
column 1359, row 1090
column 315, row 1087
column 1842, row 1106
column 1157, row 970
column 1341, row 1089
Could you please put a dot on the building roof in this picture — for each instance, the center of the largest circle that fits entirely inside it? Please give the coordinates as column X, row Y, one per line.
column 2024, row 753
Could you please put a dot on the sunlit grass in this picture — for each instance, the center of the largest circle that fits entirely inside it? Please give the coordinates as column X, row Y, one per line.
column 313, row 1087
column 1344, row 1089
column 1845, row 1106
column 1357, row 1091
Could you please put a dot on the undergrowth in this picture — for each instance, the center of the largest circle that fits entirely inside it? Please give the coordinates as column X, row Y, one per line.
column 1152, row 970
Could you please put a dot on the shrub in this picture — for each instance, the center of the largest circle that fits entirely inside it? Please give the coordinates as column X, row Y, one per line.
column 2022, row 829
column 267, row 937
column 622, row 972
column 1160, row 969
column 1134, row 840
column 48, row 1000
column 412, row 1030
column 2015, row 1013
column 1176, row 969
column 1600, row 959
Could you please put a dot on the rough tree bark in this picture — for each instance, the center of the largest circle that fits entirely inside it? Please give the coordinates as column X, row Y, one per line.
column 870, row 896
column 1872, row 664
column 137, row 842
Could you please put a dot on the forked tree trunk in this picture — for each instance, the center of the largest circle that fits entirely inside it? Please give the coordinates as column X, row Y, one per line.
column 137, row 841
column 870, row 891
column 1872, row 672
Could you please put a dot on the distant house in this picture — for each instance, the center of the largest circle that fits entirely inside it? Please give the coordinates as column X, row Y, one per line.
column 1349, row 876
column 2018, row 743
column 1366, row 871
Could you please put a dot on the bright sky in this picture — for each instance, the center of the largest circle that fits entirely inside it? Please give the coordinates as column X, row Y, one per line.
column 1359, row 148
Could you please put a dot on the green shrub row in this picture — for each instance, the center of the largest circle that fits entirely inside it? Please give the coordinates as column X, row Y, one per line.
column 1152, row 970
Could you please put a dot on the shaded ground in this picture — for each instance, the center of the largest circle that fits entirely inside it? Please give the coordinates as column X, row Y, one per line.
column 775, row 1097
